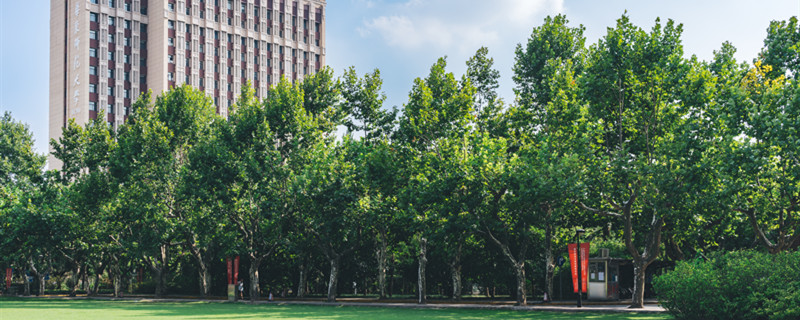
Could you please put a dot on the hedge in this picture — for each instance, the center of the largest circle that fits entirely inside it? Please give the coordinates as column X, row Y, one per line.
column 734, row 285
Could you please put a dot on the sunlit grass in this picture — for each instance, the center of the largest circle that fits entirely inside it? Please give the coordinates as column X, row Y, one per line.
column 52, row 309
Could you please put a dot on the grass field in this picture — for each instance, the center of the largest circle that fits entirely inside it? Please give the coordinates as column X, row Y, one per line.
column 53, row 309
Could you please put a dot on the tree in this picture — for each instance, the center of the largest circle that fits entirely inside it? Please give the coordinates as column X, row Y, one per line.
column 761, row 169
column 483, row 77
column 638, row 171
column 439, row 107
column 154, row 151
column 782, row 48
column 553, row 40
column 330, row 198
column 548, row 126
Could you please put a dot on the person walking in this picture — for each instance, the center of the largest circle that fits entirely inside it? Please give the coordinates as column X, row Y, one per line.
column 241, row 289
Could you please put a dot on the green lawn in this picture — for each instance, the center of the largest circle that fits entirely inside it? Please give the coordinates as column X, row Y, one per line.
column 52, row 309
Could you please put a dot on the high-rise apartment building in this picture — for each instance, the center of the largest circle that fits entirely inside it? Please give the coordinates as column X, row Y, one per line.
column 104, row 53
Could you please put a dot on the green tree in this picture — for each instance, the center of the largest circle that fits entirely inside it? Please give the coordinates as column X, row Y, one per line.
column 438, row 107
column 646, row 158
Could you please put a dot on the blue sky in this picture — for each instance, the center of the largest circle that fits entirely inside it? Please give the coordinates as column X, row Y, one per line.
column 403, row 38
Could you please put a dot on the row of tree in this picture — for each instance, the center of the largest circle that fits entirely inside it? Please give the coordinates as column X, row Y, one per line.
column 628, row 138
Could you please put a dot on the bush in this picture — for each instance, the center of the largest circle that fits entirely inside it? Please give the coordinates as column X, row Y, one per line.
column 736, row 285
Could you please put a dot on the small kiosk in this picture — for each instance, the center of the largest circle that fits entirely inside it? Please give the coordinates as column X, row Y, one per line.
column 603, row 277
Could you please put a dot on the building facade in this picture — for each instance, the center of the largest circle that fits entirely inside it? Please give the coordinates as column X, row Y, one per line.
column 105, row 53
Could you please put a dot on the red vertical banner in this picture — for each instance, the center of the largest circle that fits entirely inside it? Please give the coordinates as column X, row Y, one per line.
column 8, row 277
column 230, row 271
column 573, row 262
column 236, row 270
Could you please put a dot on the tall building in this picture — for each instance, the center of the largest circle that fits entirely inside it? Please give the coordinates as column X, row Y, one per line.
column 104, row 53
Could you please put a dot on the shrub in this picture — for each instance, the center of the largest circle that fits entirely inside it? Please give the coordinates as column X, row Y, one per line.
column 735, row 285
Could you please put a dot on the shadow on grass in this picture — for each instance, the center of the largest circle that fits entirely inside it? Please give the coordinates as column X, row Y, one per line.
column 38, row 308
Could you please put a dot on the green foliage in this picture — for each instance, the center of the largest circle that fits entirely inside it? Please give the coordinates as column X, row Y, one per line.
column 735, row 285
column 18, row 161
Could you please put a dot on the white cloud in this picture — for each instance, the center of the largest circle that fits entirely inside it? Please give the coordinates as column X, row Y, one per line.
column 455, row 25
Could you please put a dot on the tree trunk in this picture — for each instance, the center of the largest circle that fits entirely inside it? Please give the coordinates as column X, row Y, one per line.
column 455, row 275
column 41, row 283
column 455, row 272
column 27, row 286
column 519, row 269
column 334, row 279
column 254, row 285
column 639, row 271
column 205, row 280
column 204, row 275
column 96, row 283
column 423, row 262
column 160, row 277
column 301, row 287
column 380, row 255
column 77, row 274
column 549, row 261
column 118, row 283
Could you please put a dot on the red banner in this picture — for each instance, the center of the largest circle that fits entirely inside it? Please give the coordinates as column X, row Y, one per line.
column 236, row 270
column 573, row 262
column 8, row 278
column 230, row 271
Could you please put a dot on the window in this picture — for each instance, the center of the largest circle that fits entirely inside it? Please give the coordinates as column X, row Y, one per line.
column 127, row 7
column 111, row 111
column 93, row 70
column 127, row 58
column 92, row 106
column 188, row 28
column 201, row 48
column 111, row 3
column 111, row 21
column 93, row 17
column 230, row 5
column 127, row 76
column 111, row 73
column 110, row 90
column 201, row 82
column 201, row 65
column 110, row 56
column 170, row 76
column 202, row 14
column 127, row 42
column 127, row 94
column 171, row 24
column 171, row 59
column 127, row 24
column 171, row 42
column 95, row 1
column 171, row 7
column 93, row 52
column 255, row 59
column 110, row 38
column 93, row 35
column 92, row 88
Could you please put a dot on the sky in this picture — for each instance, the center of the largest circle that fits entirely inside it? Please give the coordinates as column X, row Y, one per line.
column 403, row 38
